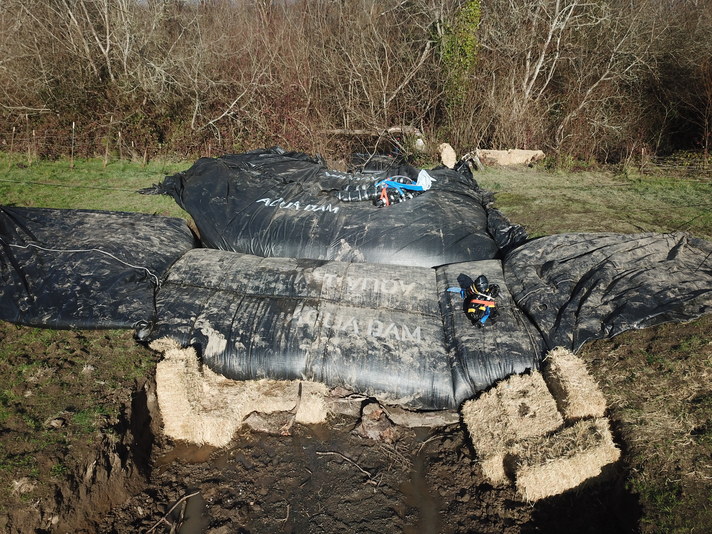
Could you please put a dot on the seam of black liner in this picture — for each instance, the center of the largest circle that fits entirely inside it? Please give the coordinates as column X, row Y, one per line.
column 318, row 299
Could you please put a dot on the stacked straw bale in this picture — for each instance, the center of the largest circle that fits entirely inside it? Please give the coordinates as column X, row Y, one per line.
column 576, row 392
column 202, row 407
column 518, row 408
column 546, row 432
column 550, row 465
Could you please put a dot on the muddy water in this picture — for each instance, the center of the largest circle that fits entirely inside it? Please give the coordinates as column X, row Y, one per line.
column 186, row 453
column 321, row 479
column 190, row 513
column 418, row 495
column 327, row 479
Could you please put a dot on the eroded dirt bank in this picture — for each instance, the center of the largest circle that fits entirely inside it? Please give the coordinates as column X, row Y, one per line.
column 327, row 478
column 95, row 475
column 126, row 476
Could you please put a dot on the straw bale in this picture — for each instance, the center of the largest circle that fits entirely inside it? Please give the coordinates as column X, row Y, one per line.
column 513, row 156
column 553, row 464
column 312, row 404
column 528, row 406
column 576, row 392
column 486, row 424
column 517, row 408
column 200, row 406
column 493, row 469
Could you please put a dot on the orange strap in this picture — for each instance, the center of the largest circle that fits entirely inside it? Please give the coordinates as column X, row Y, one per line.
column 490, row 303
column 384, row 196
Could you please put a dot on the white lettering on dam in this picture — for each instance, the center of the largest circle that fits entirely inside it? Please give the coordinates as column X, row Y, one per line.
column 355, row 284
column 378, row 285
column 280, row 203
column 363, row 328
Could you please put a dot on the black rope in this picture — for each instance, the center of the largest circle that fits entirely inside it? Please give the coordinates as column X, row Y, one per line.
column 75, row 186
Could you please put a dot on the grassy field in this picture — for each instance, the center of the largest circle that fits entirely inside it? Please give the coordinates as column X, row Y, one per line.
column 658, row 381
column 555, row 202
column 88, row 185
column 543, row 202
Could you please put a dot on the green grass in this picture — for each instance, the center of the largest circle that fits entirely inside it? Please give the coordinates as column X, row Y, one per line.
column 88, row 418
column 656, row 382
column 552, row 202
column 80, row 378
column 83, row 379
column 89, row 185
column 544, row 202
column 59, row 470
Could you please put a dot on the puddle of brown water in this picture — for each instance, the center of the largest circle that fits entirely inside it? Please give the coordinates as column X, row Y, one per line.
column 418, row 495
column 185, row 452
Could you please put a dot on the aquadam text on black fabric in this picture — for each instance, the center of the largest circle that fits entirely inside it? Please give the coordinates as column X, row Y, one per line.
column 390, row 332
column 272, row 203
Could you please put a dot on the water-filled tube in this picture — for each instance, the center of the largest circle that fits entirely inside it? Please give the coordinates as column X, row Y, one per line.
column 581, row 287
column 392, row 332
column 82, row 268
column 271, row 203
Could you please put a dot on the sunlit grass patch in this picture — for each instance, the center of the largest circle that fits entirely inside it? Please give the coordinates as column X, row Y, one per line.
column 547, row 203
column 658, row 383
column 89, row 185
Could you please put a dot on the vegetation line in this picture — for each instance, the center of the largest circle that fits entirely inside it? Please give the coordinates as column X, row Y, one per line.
column 586, row 80
column 73, row 186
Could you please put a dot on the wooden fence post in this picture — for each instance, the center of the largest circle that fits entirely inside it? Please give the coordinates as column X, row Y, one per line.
column 27, row 136
column 33, row 149
column 71, row 157
column 12, row 144
column 108, row 139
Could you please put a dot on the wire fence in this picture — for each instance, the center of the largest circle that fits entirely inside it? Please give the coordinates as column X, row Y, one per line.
column 113, row 142
column 109, row 142
column 685, row 164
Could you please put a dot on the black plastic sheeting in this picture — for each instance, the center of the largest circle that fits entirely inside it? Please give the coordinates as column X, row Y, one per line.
column 84, row 269
column 391, row 332
column 381, row 323
column 397, row 334
column 581, row 287
column 271, row 203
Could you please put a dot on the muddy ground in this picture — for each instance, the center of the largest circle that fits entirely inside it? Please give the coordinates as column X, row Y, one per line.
column 116, row 473
column 330, row 480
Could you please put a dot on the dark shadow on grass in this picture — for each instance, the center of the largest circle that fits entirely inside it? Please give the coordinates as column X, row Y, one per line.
column 600, row 505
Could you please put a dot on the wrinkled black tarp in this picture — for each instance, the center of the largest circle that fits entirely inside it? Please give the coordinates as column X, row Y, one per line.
column 581, row 287
column 391, row 332
column 396, row 333
column 84, row 269
column 275, row 204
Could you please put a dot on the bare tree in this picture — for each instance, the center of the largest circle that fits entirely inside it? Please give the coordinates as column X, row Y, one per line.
column 552, row 68
column 586, row 77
